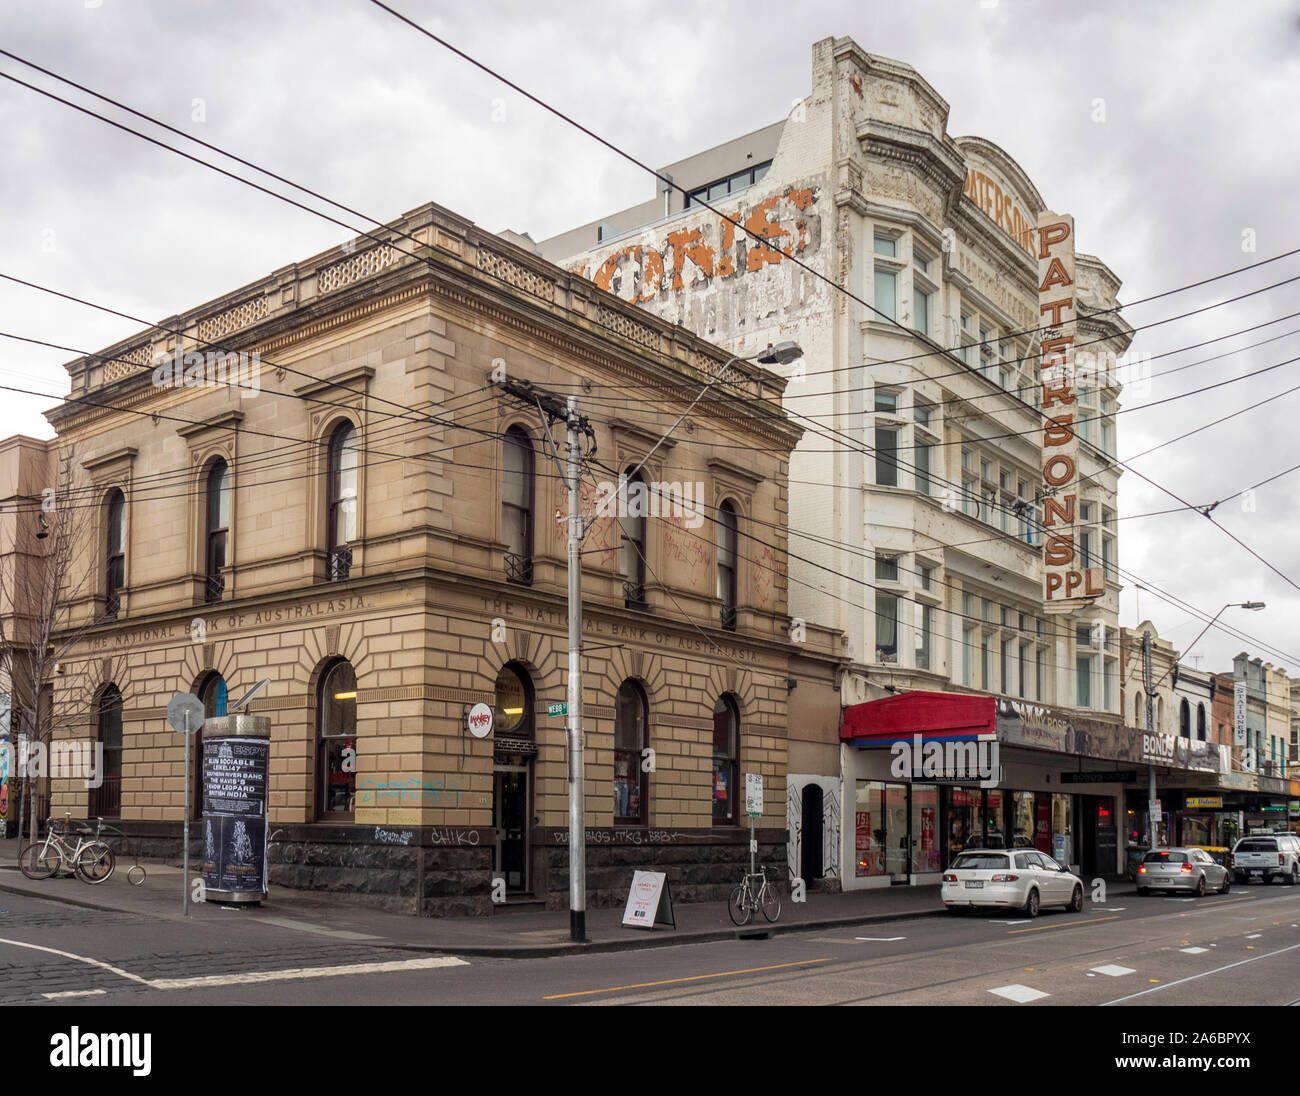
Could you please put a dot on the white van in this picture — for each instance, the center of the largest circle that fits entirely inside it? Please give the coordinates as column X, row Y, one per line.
column 1264, row 856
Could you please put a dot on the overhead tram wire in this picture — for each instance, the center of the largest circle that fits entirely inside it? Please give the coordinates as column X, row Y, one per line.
column 840, row 288
column 1147, row 479
column 388, row 228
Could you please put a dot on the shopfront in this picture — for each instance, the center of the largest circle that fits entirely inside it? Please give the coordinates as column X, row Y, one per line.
column 911, row 820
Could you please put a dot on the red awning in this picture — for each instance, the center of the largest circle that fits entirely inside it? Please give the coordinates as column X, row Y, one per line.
column 931, row 715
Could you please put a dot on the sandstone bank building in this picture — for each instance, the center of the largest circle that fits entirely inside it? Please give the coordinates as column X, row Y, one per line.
column 378, row 532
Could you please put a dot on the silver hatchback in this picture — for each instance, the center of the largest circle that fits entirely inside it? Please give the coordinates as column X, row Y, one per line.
column 1192, row 870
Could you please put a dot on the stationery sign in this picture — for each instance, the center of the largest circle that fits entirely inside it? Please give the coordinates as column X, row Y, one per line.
column 1239, row 713
column 753, row 795
column 649, row 901
column 1064, row 580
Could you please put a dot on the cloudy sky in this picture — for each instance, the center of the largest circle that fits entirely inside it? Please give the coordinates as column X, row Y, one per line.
column 1171, row 130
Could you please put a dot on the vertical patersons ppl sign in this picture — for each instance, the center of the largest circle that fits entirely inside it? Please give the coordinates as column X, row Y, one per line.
column 1064, row 580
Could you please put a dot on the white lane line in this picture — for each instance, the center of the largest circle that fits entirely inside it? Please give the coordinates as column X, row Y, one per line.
column 254, row 976
column 1018, row 993
column 318, row 930
column 1254, row 936
column 1203, row 974
column 80, row 959
column 881, row 939
column 1109, row 909
column 74, row 993
column 1193, row 951
column 1025, row 922
column 1113, row 970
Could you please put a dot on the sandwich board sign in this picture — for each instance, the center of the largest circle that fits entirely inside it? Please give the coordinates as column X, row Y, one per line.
column 649, row 901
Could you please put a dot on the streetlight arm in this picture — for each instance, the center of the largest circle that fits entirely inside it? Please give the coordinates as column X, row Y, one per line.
column 1254, row 605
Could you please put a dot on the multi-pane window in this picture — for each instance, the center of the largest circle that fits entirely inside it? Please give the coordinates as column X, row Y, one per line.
column 886, row 293
column 1083, row 676
column 731, row 184
column 925, row 576
column 1085, row 535
column 923, row 413
column 727, row 535
column 116, row 553
column 885, row 245
column 517, row 505
column 726, row 760
column 337, row 749
column 923, row 310
column 886, row 627
column 924, row 627
column 218, row 528
column 630, row 741
column 632, row 543
column 886, row 401
column 886, row 457
column 886, row 568
column 922, row 457
column 967, row 654
column 106, row 799
column 342, row 517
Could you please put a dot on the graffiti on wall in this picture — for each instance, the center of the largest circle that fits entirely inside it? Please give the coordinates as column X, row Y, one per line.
column 439, row 792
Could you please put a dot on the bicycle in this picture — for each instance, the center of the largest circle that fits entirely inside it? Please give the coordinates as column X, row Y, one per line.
column 745, row 899
column 92, row 858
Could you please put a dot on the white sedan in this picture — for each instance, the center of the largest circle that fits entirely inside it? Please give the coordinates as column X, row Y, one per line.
column 1019, row 879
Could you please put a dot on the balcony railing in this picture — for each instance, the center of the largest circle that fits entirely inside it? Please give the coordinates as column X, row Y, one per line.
column 112, row 606
column 519, row 569
column 339, row 565
column 729, row 617
column 214, row 587
column 634, row 595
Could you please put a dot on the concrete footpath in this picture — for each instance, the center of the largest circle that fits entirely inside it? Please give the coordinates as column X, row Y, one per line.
column 506, row 933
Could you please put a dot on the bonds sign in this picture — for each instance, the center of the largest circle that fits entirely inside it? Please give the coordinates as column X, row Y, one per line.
column 1064, row 580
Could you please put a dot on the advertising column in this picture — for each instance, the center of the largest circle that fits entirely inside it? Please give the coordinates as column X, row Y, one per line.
column 235, row 753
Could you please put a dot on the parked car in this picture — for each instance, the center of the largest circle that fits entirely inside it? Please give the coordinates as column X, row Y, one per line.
column 1220, row 854
column 1266, row 856
column 1182, row 869
column 1020, row 879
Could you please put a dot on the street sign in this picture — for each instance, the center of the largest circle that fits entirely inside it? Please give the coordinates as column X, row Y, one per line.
column 1154, row 806
column 1118, row 776
column 560, row 708
column 479, row 720
column 753, row 795
column 181, row 705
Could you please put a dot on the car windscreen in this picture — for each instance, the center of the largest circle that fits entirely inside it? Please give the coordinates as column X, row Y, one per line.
column 1256, row 845
column 1165, row 858
column 979, row 862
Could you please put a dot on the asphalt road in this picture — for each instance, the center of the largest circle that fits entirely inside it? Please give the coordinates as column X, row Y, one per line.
column 1238, row 949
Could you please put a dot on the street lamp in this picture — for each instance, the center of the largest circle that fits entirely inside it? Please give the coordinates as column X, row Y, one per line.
column 1152, row 820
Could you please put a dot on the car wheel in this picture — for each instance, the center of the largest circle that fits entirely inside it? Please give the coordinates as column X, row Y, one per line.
column 1294, row 877
column 1227, row 883
column 1200, row 887
column 1031, row 903
column 1076, row 900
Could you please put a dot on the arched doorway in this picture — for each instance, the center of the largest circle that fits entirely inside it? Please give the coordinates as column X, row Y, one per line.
column 514, row 747
column 811, row 867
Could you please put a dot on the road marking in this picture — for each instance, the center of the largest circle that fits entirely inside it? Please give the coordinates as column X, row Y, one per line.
column 1018, row 993
column 252, row 977
column 74, row 993
column 1194, row 951
column 691, row 978
column 80, row 959
column 1203, row 974
column 1022, row 921
column 1113, row 970
column 1254, row 936
column 881, row 939
column 319, row 930
column 1109, row 909
column 1067, row 925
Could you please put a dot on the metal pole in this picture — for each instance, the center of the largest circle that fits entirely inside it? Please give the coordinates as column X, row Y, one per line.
column 1152, row 820
column 577, row 821
column 185, row 840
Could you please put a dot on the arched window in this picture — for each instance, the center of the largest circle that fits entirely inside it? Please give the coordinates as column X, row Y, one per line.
column 727, row 563
column 517, row 505
column 337, row 763
column 218, row 528
column 634, row 506
column 1139, row 712
column 115, row 553
column 342, row 516
column 212, row 693
column 514, row 702
column 1185, row 719
column 631, row 781
column 1160, row 715
column 726, row 760
column 106, row 800
column 1202, row 732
